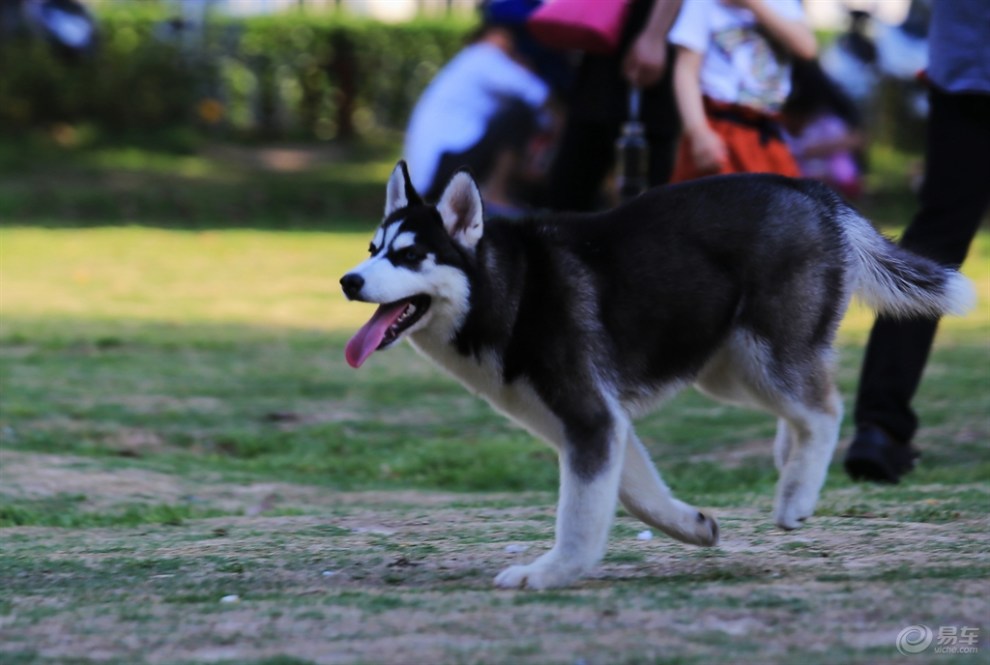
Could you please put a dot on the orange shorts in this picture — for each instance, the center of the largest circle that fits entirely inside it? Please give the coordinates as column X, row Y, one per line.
column 752, row 140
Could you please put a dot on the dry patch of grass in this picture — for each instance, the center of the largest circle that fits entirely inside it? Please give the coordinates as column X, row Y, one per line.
column 405, row 577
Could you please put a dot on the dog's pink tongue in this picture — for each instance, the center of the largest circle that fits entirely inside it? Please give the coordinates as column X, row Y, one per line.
column 364, row 343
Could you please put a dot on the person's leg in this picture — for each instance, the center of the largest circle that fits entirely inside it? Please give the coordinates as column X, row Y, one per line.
column 662, row 151
column 507, row 142
column 508, row 131
column 584, row 158
column 953, row 199
column 447, row 166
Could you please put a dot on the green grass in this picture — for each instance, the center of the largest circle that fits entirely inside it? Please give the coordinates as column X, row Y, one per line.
column 178, row 426
column 63, row 511
column 185, row 351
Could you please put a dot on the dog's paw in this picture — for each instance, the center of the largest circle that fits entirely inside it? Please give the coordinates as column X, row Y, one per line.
column 537, row 575
column 794, row 505
column 791, row 515
column 706, row 530
column 789, row 522
column 692, row 526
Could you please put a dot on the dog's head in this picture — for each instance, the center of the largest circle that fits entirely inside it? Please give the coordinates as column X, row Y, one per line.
column 417, row 272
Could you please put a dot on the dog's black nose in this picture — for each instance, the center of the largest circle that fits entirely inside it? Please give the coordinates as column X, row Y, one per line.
column 352, row 284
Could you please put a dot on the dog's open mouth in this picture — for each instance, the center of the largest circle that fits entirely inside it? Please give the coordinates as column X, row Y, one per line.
column 385, row 327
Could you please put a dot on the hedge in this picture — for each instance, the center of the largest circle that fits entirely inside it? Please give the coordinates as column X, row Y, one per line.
column 284, row 76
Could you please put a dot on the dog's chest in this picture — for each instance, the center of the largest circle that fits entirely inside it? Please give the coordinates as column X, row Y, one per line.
column 516, row 400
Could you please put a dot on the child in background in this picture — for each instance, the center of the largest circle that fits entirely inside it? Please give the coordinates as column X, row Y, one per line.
column 479, row 112
column 731, row 77
column 823, row 130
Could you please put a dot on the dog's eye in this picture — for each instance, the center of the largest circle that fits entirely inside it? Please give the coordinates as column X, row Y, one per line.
column 411, row 255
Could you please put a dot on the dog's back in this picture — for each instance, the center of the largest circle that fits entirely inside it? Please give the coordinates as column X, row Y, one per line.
column 681, row 267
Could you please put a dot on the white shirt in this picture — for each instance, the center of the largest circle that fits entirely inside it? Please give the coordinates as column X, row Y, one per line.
column 741, row 65
column 454, row 110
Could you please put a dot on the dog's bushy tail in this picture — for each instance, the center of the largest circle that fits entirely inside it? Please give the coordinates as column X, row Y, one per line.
column 897, row 282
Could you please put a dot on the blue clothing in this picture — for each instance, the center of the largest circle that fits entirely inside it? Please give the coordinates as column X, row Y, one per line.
column 959, row 45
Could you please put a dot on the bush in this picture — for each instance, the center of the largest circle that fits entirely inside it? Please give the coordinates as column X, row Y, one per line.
column 282, row 76
column 331, row 76
column 133, row 81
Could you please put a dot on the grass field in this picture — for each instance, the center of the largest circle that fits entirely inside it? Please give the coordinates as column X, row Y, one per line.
column 191, row 473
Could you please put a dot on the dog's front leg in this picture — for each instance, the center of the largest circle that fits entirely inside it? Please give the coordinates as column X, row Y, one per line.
column 646, row 496
column 590, row 468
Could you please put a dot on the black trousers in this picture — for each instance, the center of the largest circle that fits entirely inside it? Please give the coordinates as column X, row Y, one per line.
column 953, row 200
column 598, row 105
column 586, row 155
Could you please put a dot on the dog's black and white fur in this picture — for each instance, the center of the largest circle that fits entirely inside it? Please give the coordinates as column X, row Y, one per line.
column 572, row 325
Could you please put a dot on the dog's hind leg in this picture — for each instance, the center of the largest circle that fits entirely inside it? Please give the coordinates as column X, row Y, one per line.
column 808, row 408
column 814, row 433
column 590, row 467
column 646, row 496
column 782, row 444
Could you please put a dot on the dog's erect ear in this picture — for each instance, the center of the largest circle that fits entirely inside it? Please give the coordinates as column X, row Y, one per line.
column 461, row 209
column 400, row 193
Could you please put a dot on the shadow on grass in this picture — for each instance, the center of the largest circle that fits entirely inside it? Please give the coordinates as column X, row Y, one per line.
column 185, row 184
column 269, row 403
column 320, row 187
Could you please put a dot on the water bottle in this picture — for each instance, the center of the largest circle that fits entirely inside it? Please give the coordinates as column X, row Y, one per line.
column 631, row 152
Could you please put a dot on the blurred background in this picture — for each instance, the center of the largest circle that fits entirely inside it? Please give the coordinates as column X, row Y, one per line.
column 190, row 472
column 159, row 111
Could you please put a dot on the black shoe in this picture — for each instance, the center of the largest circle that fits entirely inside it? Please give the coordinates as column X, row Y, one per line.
column 876, row 456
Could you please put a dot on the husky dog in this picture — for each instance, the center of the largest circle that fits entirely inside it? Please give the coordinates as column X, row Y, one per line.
column 572, row 325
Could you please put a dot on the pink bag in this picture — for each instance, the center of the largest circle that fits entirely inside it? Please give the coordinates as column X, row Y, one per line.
column 594, row 26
